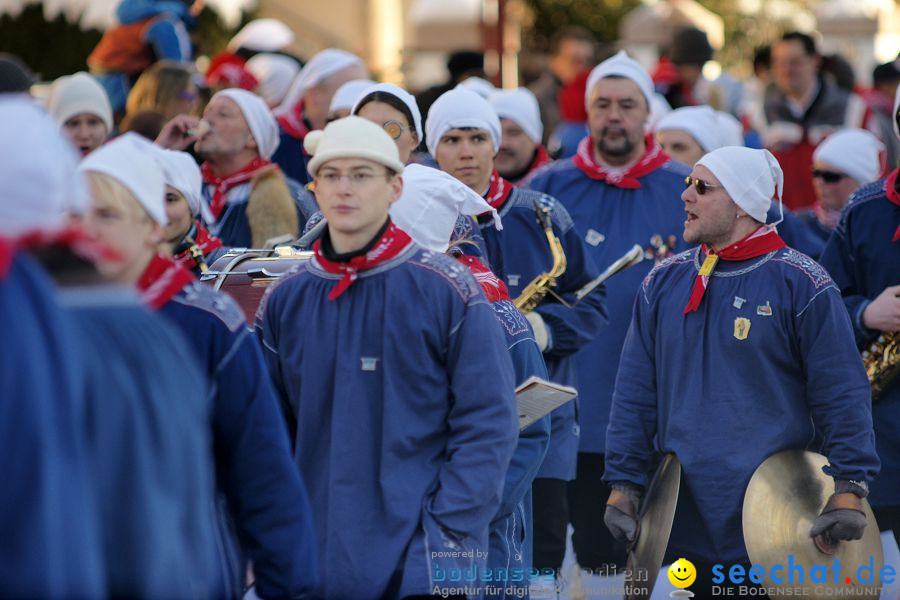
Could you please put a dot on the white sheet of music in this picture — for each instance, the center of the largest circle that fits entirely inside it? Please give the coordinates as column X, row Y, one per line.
column 537, row 397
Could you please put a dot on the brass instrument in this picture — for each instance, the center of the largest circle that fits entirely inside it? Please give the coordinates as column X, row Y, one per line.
column 532, row 295
column 882, row 361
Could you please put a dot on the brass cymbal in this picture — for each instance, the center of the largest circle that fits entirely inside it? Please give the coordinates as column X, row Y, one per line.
column 657, row 513
column 785, row 495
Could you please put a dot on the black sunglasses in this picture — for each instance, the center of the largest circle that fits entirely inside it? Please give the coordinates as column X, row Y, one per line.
column 699, row 185
column 828, row 176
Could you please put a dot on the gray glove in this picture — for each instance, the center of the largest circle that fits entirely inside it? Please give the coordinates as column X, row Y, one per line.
column 842, row 519
column 621, row 512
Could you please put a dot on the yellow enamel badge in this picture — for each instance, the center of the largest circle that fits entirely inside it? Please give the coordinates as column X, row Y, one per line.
column 741, row 328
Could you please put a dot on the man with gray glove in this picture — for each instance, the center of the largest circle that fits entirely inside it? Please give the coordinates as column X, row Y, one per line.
column 737, row 349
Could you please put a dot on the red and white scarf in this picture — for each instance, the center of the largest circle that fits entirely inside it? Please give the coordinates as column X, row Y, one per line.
column 890, row 190
column 541, row 158
column 161, row 280
column 492, row 286
column 388, row 246
column 652, row 159
column 760, row 242
column 498, row 191
column 226, row 182
column 204, row 240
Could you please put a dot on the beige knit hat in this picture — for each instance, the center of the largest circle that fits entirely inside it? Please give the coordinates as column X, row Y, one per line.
column 351, row 137
column 72, row 95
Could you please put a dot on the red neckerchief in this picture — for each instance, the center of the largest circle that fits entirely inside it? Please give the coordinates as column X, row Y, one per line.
column 73, row 238
column 493, row 287
column 293, row 123
column 498, row 190
column 224, row 183
column 760, row 242
column 7, row 251
column 204, row 240
column 162, row 279
column 652, row 159
column 890, row 190
column 540, row 159
column 391, row 243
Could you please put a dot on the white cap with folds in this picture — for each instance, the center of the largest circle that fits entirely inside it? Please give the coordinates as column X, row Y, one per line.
column 700, row 122
column 400, row 94
column 275, row 74
column 479, row 85
column 855, row 152
column 351, row 137
column 431, row 203
column 620, row 65
column 133, row 161
column 751, row 177
column 521, row 107
column 346, row 96
column 38, row 178
column 181, row 172
column 72, row 95
column 322, row 65
column 457, row 109
column 262, row 35
column 262, row 124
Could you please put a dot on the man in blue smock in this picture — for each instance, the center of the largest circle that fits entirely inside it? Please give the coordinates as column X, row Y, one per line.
column 396, row 381
column 863, row 257
column 620, row 189
column 737, row 350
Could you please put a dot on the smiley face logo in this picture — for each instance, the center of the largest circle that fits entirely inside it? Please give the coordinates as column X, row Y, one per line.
column 682, row 573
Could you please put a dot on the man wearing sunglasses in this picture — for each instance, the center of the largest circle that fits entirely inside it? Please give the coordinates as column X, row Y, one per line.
column 863, row 257
column 737, row 350
column 621, row 189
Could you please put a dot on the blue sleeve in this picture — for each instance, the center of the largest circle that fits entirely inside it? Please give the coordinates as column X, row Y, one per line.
column 170, row 39
column 837, row 389
column 261, row 481
column 132, row 11
column 838, row 260
column 633, row 416
column 482, row 422
column 533, row 440
column 573, row 328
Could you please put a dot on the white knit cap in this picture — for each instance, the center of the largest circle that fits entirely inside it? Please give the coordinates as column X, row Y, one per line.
column 431, row 203
column 855, row 152
column 457, row 109
column 346, row 96
column 521, row 107
column 351, row 137
column 275, row 74
column 751, row 177
column 72, row 95
column 400, row 94
column 620, row 65
column 38, row 179
column 181, row 172
column 480, row 86
column 133, row 161
column 262, row 124
column 262, row 35
column 322, row 65
column 700, row 122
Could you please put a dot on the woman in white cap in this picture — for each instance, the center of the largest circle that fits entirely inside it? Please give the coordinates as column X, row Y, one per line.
column 395, row 110
column 755, row 326
column 80, row 105
column 265, row 518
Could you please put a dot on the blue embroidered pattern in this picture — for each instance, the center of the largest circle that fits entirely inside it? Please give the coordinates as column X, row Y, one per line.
column 510, row 317
column 808, row 266
column 455, row 273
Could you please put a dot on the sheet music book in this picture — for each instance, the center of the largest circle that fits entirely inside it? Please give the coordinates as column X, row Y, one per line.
column 537, row 397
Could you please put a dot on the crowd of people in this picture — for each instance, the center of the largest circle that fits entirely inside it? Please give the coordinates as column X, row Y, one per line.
column 360, row 437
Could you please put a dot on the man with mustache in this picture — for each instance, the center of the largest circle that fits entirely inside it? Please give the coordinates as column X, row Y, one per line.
column 521, row 153
column 621, row 189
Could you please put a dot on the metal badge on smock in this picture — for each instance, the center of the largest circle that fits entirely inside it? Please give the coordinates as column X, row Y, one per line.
column 708, row 265
column 741, row 328
column 594, row 237
column 512, row 280
column 738, row 301
column 765, row 310
column 368, row 363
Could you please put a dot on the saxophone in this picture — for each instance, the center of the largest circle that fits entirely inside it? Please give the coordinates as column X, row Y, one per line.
column 882, row 361
column 532, row 295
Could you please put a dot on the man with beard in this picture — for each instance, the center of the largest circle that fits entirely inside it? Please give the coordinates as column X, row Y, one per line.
column 621, row 189
column 521, row 153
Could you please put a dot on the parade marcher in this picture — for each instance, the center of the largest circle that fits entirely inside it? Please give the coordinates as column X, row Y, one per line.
column 52, row 533
column 396, row 381
column 80, row 106
column 186, row 238
column 345, row 98
column 842, row 163
column 262, row 496
column 879, row 101
column 798, row 110
column 762, row 330
column 463, row 134
column 521, row 152
column 306, row 105
column 863, row 257
column 275, row 74
column 428, row 210
column 621, row 189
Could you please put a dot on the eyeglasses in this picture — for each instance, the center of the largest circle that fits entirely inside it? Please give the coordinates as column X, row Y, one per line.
column 394, row 129
column 699, row 185
column 356, row 180
column 828, row 176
